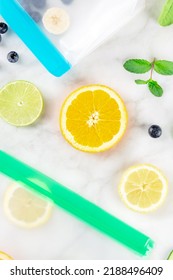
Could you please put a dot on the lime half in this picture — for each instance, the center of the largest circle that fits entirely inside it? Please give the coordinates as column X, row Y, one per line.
column 170, row 257
column 21, row 103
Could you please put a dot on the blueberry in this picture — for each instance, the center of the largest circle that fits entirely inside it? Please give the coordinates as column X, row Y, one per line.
column 13, row 57
column 35, row 15
column 39, row 3
column 3, row 27
column 67, row 2
column 155, row 131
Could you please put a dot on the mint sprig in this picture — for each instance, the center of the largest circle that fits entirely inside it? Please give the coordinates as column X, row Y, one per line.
column 163, row 67
column 141, row 82
column 138, row 66
column 155, row 88
column 141, row 66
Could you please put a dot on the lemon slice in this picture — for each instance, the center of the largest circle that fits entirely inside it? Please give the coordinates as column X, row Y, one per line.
column 4, row 256
column 21, row 103
column 24, row 208
column 143, row 188
column 56, row 20
column 93, row 118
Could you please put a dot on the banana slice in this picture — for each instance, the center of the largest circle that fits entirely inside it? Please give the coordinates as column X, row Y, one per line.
column 56, row 20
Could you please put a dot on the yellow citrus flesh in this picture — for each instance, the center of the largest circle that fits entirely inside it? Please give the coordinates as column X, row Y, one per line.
column 24, row 208
column 143, row 188
column 93, row 118
column 21, row 103
column 4, row 256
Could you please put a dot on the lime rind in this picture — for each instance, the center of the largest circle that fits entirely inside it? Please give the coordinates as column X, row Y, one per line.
column 166, row 17
column 170, row 257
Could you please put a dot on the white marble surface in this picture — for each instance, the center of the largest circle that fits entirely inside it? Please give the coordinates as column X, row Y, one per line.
column 93, row 176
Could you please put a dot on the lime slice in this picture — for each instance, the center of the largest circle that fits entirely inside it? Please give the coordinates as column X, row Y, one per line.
column 166, row 17
column 21, row 103
column 170, row 257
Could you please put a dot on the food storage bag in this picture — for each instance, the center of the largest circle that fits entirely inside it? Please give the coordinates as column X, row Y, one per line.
column 61, row 32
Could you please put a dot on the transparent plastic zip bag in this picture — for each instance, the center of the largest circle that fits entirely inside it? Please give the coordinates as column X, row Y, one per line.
column 90, row 24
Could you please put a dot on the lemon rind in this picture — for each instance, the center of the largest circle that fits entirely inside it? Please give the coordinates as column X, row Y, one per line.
column 42, row 220
column 122, row 193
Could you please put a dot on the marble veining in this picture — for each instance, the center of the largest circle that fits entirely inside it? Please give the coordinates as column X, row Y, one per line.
column 93, row 176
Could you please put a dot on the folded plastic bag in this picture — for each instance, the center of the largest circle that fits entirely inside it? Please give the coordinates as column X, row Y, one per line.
column 89, row 24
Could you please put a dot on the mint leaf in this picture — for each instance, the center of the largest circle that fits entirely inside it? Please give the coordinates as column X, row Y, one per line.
column 155, row 88
column 164, row 67
column 141, row 82
column 138, row 66
column 166, row 17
